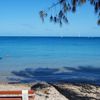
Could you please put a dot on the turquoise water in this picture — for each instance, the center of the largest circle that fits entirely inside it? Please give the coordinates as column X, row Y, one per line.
column 18, row 53
column 36, row 52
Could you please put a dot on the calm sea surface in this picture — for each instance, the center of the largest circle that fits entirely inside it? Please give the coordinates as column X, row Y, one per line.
column 19, row 53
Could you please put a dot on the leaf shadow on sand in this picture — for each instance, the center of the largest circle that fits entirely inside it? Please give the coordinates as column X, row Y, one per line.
column 81, row 74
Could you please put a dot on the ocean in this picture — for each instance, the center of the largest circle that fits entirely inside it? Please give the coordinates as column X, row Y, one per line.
column 54, row 56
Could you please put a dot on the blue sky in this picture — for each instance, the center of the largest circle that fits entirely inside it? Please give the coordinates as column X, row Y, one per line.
column 21, row 18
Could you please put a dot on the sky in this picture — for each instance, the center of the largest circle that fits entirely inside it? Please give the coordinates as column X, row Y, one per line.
column 21, row 18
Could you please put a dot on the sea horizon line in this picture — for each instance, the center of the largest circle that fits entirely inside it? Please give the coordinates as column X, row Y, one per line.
column 54, row 36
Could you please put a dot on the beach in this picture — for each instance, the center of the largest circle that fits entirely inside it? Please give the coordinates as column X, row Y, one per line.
column 65, row 91
column 56, row 68
column 50, row 49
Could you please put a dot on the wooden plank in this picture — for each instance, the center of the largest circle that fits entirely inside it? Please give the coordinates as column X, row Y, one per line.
column 15, row 92
column 6, row 98
column 10, row 98
column 17, row 95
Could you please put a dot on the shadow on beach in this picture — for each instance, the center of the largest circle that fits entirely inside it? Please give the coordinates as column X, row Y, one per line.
column 81, row 74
